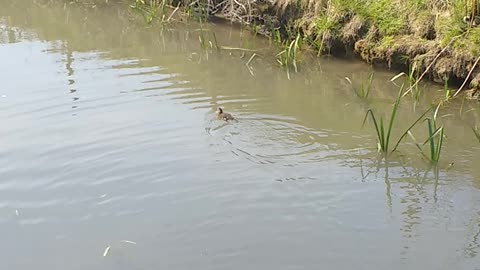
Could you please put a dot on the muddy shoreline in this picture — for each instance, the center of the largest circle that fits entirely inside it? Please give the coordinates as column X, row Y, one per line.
column 422, row 44
column 431, row 41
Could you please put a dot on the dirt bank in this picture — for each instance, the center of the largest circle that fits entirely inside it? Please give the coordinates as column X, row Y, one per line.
column 440, row 38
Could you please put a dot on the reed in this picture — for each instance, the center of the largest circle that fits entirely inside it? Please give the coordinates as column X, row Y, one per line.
column 434, row 140
column 384, row 132
column 288, row 56
column 364, row 90
column 151, row 10
column 446, row 90
column 411, row 79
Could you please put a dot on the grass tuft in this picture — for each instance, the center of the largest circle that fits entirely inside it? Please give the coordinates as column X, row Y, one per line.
column 434, row 140
column 364, row 90
column 384, row 134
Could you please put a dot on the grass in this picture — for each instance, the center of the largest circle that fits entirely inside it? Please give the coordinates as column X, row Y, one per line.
column 434, row 140
column 206, row 43
column 364, row 91
column 446, row 90
column 384, row 132
column 411, row 80
column 435, row 137
column 288, row 56
column 151, row 10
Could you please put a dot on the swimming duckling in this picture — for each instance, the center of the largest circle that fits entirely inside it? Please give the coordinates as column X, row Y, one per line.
column 223, row 115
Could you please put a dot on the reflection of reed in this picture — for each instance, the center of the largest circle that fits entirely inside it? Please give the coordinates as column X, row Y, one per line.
column 472, row 249
column 70, row 72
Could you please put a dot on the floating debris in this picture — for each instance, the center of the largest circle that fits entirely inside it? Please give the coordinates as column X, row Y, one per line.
column 103, row 195
column 17, row 213
column 105, row 253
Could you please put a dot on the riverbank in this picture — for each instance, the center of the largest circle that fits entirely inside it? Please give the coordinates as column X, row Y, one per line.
column 437, row 39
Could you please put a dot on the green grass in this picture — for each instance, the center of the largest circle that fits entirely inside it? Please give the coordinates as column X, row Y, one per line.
column 384, row 132
column 288, row 56
column 384, row 14
column 205, row 42
column 411, row 80
column 364, row 91
column 434, row 140
column 151, row 10
column 446, row 90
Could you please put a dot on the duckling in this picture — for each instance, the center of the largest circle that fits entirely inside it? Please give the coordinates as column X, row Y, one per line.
column 221, row 115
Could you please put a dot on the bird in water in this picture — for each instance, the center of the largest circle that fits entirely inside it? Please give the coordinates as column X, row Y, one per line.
column 221, row 115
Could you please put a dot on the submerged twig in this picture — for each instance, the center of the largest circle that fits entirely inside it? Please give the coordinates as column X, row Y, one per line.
column 250, row 69
column 251, row 58
column 173, row 13
column 236, row 49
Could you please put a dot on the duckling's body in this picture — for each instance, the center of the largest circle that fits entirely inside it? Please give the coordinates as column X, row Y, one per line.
column 221, row 115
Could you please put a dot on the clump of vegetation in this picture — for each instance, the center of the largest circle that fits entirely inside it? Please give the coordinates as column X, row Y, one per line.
column 384, row 132
column 364, row 90
column 434, row 140
column 151, row 10
column 288, row 56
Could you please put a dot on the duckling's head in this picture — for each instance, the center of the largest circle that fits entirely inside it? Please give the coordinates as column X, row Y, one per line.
column 219, row 110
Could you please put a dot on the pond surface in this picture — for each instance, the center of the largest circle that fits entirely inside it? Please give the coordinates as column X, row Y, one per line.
column 108, row 139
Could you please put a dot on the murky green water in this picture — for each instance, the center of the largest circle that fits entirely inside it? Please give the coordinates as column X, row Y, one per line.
column 108, row 134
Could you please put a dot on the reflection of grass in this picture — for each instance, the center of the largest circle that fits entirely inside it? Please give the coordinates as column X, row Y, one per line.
column 477, row 133
column 384, row 134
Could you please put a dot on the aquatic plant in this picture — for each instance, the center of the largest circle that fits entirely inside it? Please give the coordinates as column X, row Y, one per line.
column 288, row 56
column 435, row 137
column 384, row 134
column 151, row 9
column 446, row 90
column 434, row 140
column 364, row 89
column 207, row 43
column 276, row 35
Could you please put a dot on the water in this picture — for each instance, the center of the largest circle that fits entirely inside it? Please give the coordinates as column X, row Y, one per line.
column 108, row 136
